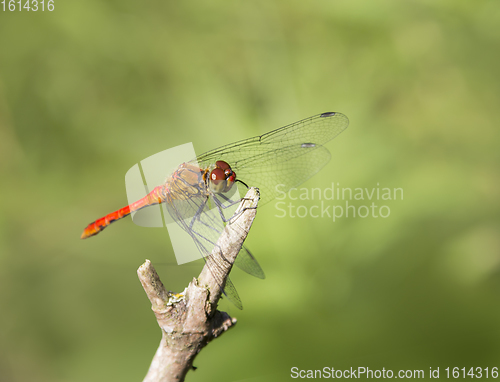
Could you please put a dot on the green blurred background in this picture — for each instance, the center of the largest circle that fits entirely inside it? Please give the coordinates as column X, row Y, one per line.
column 90, row 89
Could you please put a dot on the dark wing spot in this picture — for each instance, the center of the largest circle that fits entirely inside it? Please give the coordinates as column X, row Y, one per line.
column 328, row 114
column 307, row 145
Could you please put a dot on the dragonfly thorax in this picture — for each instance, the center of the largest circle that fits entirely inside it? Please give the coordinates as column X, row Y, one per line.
column 221, row 178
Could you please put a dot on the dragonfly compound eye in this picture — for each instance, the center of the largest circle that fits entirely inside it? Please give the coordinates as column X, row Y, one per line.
column 217, row 181
column 223, row 165
column 217, row 176
column 221, row 179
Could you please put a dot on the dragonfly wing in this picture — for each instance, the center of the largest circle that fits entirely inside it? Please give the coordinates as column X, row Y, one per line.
column 318, row 130
column 232, row 295
column 205, row 227
column 203, row 243
column 289, row 168
column 246, row 262
column 287, row 156
column 210, row 225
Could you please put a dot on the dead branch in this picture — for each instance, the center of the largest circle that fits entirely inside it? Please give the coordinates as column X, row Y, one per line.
column 189, row 321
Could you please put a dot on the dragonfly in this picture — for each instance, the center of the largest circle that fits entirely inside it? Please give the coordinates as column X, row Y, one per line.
column 198, row 192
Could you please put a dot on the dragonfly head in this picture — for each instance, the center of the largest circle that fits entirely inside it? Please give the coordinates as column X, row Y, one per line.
column 221, row 178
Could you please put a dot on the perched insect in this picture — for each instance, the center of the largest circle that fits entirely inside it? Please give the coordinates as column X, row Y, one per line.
column 284, row 157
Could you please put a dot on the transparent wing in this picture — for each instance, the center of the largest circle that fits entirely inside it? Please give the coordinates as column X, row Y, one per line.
column 202, row 218
column 205, row 227
column 247, row 263
column 273, row 162
column 285, row 157
column 201, row 243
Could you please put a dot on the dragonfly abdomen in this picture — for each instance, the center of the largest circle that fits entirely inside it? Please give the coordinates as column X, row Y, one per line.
column 154, row 197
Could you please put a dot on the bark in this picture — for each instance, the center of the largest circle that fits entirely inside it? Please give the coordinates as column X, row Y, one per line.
column 190, row 320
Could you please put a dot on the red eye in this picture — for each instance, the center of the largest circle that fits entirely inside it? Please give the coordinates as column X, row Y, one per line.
column 223, row 165
column 217, row 175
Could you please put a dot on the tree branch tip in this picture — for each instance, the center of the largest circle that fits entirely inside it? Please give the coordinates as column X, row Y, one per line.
column 145, row 266
column 190, row 320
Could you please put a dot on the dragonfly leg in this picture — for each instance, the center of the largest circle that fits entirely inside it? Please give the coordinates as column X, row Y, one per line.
column 208, row 225
column 220, row 206
column 230, row 201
